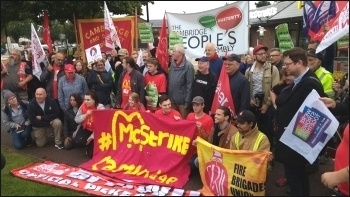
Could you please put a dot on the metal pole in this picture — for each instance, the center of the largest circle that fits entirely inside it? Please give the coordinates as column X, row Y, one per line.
column 147, row 12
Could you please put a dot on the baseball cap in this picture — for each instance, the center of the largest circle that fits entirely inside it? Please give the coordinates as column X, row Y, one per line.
column 69, row 68
column 246, row 116
column 258, row 47
column 233, row 57
column 203, row 59
column 123, row 52
column 312, row 53
column 198, row 99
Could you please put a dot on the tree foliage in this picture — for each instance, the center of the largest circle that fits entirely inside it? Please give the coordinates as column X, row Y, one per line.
column 262, row 3
column 64, row 10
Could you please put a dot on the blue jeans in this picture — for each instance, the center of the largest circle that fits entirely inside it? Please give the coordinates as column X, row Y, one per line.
column 19, row 139
column 298, row 180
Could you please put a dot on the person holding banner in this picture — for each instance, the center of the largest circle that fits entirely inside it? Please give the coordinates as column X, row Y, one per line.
column 239, row 84
column 222, row 132
column 166, row 110
column 288, row 102
column 84, row 135
column 248, row 136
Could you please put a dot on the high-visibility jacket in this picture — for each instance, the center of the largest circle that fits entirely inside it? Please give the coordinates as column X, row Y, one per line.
column 326, row 79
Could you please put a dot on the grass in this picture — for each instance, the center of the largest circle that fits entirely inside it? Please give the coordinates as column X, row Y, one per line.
column 14, row 186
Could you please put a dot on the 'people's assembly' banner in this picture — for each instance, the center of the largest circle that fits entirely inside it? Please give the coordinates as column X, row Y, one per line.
column 227, row 172
column 92, row 32
column 226, row 27
column 93, row 183
column 142, row 147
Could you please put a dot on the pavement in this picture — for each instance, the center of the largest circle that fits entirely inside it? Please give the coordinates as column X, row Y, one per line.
column 77, row 156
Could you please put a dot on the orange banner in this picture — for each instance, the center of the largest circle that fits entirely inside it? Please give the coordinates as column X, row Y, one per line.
column 142, row 147
column 227, row 172
column 64, row 176
column 92, row 32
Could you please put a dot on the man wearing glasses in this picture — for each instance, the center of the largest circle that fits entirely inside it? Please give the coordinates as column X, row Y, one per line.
column 276, row 58
column 288, row 103
column 262, row 76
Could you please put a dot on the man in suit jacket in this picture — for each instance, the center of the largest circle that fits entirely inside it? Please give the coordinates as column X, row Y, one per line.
column 288, row 103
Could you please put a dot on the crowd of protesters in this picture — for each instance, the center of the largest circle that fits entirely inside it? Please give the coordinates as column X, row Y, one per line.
column 267, row 87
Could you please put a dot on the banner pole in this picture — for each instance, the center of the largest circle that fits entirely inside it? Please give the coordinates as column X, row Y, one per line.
column 136, row 31
column 75, row 29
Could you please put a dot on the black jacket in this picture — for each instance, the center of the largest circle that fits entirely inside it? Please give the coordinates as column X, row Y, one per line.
column 288, row 103
column 102, row 84
column 69, row 125
column 51, row 112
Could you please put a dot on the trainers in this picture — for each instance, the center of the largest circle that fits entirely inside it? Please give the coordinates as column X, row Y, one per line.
column 59, row 146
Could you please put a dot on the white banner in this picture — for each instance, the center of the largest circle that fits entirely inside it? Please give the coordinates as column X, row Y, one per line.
column 311, row 128
column 111, row 35
column 338, row 29
column 38, row 53
column 226, row 27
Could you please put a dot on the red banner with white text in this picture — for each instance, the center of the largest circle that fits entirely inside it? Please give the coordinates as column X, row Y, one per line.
column 223, row 96
column 142, row 147
column 92, row 32
column 93, row 183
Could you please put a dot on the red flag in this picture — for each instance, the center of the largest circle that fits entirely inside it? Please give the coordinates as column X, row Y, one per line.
column 46, row 32
column 223, row 95
column 162, row 51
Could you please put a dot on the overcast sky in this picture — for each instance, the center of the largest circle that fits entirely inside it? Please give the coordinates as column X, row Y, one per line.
column 156, row 11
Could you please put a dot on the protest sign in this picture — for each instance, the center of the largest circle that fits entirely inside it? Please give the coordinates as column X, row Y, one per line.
column 285, row 41
column 311, row 128
column 145, row 33
column 93, row 54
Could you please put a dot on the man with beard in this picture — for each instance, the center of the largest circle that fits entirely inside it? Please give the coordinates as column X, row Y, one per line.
column 248, row 136
column 262, row 76
column 15, row 75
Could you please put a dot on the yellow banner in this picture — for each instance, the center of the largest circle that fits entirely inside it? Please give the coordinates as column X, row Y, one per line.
column 231, row 172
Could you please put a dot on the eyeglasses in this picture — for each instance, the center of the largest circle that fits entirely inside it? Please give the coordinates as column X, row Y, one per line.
column 11, row 98
column 261, row 54
column 274, row 55
column 288, row 64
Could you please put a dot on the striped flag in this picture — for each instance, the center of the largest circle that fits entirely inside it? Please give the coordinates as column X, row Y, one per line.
column 325, row 11
column 308, row 14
